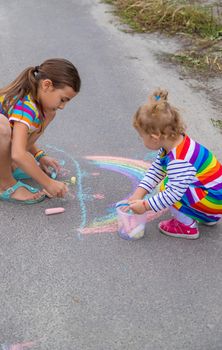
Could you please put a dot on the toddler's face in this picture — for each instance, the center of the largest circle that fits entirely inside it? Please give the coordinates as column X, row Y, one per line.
column 53, row 99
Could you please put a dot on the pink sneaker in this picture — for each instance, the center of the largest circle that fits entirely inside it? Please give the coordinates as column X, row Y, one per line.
column 175, row 228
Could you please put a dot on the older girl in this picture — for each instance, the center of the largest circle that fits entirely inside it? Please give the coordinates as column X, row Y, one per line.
column 27, row 106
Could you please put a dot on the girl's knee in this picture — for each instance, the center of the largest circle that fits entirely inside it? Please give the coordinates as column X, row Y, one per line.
column 5, row 133
column 5, row 129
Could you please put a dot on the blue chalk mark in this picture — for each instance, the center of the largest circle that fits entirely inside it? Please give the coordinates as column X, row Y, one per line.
column 62, row 162
column 88, row 197
column 110, row 210
column 80, row 194
column 85, row 174
column 151, row 156
column 97, row 220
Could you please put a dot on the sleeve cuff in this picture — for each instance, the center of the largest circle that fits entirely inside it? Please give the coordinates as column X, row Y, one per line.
column 145, row 187
column 12, row 119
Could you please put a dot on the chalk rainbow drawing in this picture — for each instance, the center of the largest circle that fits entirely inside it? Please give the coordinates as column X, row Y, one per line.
column 131, row 168
column 18, row 346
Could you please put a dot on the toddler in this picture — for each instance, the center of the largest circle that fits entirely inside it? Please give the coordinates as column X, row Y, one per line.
column 190, row 175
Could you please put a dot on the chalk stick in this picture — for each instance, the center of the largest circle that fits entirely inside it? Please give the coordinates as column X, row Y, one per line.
column 73, row 180
column 51, row 211
column 53, row 175
column 138, row 232
column 122, row 205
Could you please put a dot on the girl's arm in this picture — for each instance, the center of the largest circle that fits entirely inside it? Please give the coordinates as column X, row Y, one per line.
column 33, row 149
column 27, row 163
column 22, row 157
column 46, row 162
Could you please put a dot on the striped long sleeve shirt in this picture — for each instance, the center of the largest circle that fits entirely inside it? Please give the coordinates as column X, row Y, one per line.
column 191, row 173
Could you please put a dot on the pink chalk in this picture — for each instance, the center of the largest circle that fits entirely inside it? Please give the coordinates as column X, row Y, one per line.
column 51, row 211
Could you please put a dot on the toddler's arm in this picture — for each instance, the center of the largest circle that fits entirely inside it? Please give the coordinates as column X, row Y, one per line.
column 180, row 175
column 154, row 175
column 151, row 179
column 138, row 194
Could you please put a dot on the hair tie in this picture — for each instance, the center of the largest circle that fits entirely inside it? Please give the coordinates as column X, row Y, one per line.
column 36, row 71
column 157, row 98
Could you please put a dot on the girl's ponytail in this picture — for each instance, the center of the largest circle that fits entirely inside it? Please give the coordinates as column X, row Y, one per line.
column 21, row 86
column 60, row 71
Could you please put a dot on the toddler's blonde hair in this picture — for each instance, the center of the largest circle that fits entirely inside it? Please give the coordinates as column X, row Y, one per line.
column 159, row 117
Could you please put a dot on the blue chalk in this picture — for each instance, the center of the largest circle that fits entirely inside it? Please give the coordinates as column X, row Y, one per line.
column 53, row 175
column 122, row 205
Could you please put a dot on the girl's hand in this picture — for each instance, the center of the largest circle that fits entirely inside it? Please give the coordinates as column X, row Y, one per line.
column 46, row 162
column 56, row 189
column 139, row 206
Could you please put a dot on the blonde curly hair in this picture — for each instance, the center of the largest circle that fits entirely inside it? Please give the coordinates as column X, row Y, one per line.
column 159, row 117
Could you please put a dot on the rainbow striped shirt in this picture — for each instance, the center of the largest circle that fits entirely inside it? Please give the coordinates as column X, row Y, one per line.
column 192, row 181
column 24, row 111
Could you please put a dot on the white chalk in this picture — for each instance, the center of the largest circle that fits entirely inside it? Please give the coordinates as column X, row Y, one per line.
column 51, row 211
column 138, row 232
column 73, row 180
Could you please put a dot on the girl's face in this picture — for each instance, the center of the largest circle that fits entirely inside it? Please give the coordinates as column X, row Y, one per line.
column 152, row 142
column 53, row 99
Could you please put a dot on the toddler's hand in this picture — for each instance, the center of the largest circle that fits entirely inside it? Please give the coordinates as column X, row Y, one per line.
column 129, row 201
column 137, row 206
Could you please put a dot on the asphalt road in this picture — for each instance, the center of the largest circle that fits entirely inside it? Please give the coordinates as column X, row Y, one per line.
column 68, row 281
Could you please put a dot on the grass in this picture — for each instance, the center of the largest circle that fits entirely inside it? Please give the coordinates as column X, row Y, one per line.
column 169, row 16
column 203, row 22
column 201, row 58
column 217, row 123
column 204, row 57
